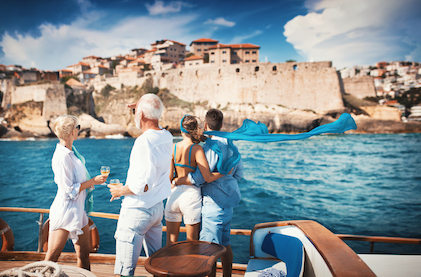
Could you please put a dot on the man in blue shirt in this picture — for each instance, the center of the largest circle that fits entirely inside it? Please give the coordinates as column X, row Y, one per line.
column 220, row 196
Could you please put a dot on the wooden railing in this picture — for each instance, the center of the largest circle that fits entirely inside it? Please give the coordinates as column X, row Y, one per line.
column 371, row 239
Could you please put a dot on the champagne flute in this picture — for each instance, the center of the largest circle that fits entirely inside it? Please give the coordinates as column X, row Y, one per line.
column 105, row 170
column 115, row 182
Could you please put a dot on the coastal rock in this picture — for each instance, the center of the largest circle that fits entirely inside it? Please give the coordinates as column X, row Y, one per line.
column 383, row 112
column 134, row 132
column 36, row 125
column 28, row 117
column 11, row 133
column 98, row 128
column 366, row 124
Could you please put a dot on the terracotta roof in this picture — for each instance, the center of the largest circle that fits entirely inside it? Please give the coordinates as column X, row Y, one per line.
column 152, row 50
column 235, row 46
column 391, row 102
column 79, row 63
column 194, row 57
column 103, row 66
column 92, row 57
column 67, row 70
column 159, row 42
column 203, row 40
column 73, row 82
column 89, row 71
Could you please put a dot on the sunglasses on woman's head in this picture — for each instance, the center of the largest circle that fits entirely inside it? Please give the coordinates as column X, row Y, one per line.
column 77, row 127
column 134, row 111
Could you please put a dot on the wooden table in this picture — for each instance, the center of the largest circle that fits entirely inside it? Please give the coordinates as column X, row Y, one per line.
column 185, row 258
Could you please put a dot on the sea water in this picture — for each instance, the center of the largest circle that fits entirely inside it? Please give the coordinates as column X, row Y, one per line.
column 362, row 184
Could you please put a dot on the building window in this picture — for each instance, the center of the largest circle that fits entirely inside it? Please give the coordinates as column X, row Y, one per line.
column 254, row 61
column 212, row 61
column 197, row 63
column 212, row 53
column 237, row 70
column 205, row 50
column 254, row 52
column 256, row 69
column 247, row 61
column 234, row 52
column 190, row 63
column 224, row 61
column 234, row 61
column 294, row 67
column 247, row 52
column 205, row 43
column 199, row 50
column 274, row 68
column 224, row 52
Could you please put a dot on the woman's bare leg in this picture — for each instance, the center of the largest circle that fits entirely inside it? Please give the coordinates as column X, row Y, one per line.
column 173, row 230
column 82, row 248
column 56, row 242
column 192, row 231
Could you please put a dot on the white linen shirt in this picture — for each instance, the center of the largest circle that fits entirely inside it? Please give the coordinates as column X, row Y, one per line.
column 150, row 161
column 68, row 209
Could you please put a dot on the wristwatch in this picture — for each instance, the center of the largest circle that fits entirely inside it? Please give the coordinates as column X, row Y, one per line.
column 173, row 182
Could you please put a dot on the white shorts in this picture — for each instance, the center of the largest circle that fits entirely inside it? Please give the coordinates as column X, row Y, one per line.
column 184, row 203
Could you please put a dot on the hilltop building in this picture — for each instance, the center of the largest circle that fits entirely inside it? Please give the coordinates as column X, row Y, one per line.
column 193, row 61
column 222, row 54
column 169, row 50
column 201, row 46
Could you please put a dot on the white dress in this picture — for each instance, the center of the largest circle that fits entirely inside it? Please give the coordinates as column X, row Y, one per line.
column 67, row 211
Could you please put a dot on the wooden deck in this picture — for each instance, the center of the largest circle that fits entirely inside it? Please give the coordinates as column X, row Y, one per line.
column 102, row 265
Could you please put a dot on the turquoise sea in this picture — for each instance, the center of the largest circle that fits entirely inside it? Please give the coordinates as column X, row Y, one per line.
column 363, row 184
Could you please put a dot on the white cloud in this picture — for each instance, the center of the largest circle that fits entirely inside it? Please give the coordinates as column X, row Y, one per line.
column 60, row 46
column 159, row 7
column 220, row 21
column 351, row 32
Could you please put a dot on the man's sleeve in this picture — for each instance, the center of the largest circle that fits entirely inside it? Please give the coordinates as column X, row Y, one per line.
column 196, row 177
column 239, row 170
column 142, row 169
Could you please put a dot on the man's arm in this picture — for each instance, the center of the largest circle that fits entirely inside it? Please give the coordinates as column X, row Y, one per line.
column 239, row 170
column 196, row 177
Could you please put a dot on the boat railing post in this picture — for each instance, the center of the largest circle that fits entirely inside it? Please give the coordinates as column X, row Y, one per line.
column 372, row 247
column 40, row 223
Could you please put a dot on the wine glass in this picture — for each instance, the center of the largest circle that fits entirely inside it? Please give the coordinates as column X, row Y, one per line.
column 115, row 182
column 105, row 170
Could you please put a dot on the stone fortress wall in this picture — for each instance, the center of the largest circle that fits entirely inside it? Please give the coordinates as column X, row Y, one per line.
column 307, row 86
column 360, row 87
column 52, row 95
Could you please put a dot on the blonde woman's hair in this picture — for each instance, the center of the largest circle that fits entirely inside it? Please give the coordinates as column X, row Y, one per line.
column 64, row 125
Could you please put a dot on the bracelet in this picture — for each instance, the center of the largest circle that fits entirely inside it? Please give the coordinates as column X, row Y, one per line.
column 173, row 182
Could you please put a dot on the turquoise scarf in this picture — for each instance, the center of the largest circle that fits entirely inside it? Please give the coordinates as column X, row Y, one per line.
column 258, row 132
column 89, row 202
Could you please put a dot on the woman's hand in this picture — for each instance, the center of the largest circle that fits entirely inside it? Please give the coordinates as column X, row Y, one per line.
column 99, row 179
column 92, row 182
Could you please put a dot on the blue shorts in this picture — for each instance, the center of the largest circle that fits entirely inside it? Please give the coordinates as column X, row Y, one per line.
column 216, row 224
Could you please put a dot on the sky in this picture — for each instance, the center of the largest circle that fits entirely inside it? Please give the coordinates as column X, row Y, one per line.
column 53, row 34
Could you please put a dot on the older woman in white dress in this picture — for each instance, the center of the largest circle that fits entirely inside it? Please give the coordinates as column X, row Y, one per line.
column 68, row 219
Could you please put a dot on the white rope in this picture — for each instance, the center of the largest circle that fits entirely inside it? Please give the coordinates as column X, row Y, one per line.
column 37, row 269
column 4, row 230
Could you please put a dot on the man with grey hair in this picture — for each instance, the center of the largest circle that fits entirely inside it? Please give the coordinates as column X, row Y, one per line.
column 147, row 185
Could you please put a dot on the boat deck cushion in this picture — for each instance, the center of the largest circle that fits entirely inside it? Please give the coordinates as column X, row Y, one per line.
column 256, row 266
column 288, row 249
